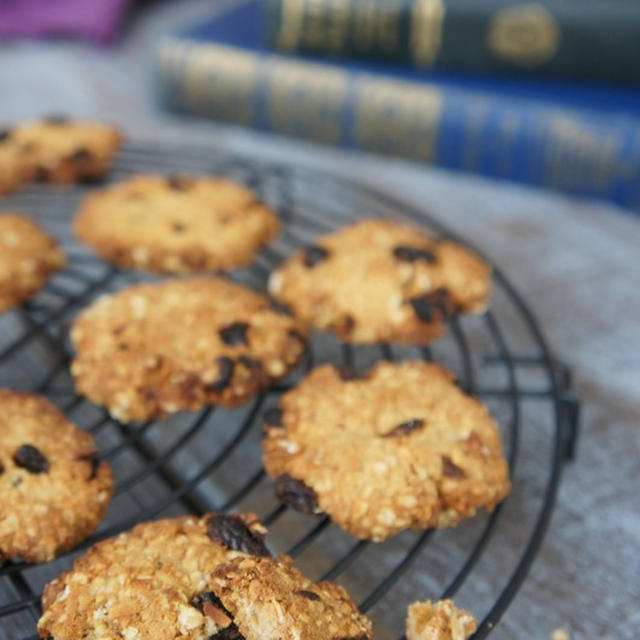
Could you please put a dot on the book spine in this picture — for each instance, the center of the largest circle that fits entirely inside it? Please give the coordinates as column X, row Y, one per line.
column 579, row 152
column 589, row 38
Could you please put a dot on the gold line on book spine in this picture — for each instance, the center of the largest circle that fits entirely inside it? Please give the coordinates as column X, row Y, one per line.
column 397, row 117
column 221, row 81
column 425, row 40
column 305, row 100
column 363, row 24
column 577, row 157
column 290, row 25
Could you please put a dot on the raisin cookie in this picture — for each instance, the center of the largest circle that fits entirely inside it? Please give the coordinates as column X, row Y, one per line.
column 53, row 488
column 28, row 256
column 56, row 149
column 378, row 280
column 177, row 224
column 152, row 349
column 150, row 583
column 266, row 599
column 16, row 165
column 441, row 620
column 401, row 447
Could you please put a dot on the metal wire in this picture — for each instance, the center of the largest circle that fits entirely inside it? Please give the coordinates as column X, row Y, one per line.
column 161, row 468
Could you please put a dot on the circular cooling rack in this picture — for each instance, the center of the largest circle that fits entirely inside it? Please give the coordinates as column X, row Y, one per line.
column 210, row 460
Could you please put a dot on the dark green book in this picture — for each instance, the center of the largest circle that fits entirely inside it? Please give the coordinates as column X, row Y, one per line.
column 572, row 38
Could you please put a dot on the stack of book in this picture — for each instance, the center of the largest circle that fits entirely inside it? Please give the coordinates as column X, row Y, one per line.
column 544, row 93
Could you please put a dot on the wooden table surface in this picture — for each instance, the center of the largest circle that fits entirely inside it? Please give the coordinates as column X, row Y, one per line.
column 576, row 262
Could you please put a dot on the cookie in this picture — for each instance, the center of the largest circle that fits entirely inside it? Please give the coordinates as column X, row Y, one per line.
column 177, row 224
column 378, row 280
column 441, row 620
column 28, row 256
column 401, row 447
column 56, row 149
column 16, row 165
column 53, row 488
column 152, row 349
column 268, row 599
column 150, row 583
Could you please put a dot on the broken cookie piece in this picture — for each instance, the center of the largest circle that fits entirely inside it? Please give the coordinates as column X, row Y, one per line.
column 440, row 620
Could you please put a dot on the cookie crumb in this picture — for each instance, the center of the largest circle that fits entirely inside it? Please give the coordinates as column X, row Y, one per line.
column 440, row 620
column 560, row 634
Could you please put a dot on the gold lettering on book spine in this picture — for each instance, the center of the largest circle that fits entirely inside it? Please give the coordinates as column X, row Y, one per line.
column 220, row 81
column 576, row 157
column 208, row 79
column 397, row 117
column 526, row 35
column 364, row 24
column 290, row 25
column 387, row 27
column 305, row 100
column 338, row 26
column 425, row 39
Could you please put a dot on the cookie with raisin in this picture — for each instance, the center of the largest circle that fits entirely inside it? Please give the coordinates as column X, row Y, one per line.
column 401, row 447
column 56, row 149
column 152, row 349
column 176, row 224
column 54, row 489
column 28, row 257
column 269, row 599
column 378, row 280
column 16, row 165
column 153, row 582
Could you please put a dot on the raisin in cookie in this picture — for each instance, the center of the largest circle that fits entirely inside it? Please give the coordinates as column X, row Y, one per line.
column 150, row 583
column 152, row 349
column 177, row 224
column 28, row 256
column 267, row 599
column 402, row 447
column 53, row 488
column 441, row 620
column 56, row 149
column 377, row 280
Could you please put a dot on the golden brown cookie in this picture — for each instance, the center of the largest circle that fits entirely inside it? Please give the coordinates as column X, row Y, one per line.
column 378, row 280
column 150, row 583
column 152, row 349
column 402, row 447
column 268, row 599
column 53, row 488
column 441, row 620
column 56, row 149
column 16, row 165
column 28, row 256
column 177, row 224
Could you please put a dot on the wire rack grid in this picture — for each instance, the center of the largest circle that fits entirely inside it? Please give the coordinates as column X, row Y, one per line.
column 209, row 460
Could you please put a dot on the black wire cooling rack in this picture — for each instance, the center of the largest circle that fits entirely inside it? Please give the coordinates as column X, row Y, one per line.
column 210, row 460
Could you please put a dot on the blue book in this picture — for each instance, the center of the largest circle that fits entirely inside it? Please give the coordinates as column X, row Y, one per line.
column 579, row 138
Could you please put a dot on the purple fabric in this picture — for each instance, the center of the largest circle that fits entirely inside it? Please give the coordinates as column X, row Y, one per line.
column 96, row 20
